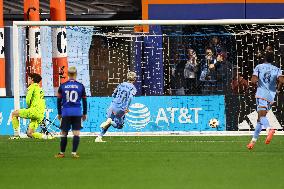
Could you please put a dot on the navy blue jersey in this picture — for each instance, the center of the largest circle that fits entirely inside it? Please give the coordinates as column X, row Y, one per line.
column 71, row 93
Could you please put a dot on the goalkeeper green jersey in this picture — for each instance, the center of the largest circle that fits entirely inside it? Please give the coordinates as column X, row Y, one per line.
column 35, row 97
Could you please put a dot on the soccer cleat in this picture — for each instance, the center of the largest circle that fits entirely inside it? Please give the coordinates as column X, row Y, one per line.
column 14, row 138
column 99, row 139
column 269, row 136
column 250, row 145
column 59, row 155
column 75, row 156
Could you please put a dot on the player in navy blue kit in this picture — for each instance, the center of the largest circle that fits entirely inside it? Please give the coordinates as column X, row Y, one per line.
column 69, row 108
column 265, row 76
column 122, row 97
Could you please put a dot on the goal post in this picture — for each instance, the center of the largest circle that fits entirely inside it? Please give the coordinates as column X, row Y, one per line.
column 133, row 51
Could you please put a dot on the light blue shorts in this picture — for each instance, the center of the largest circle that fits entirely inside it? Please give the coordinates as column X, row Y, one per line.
column 263, row 104
column 117, row 115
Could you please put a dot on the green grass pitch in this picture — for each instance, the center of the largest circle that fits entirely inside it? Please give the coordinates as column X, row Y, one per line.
column 170, row 162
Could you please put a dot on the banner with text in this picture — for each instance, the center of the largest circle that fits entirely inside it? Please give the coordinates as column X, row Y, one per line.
column 146, row 114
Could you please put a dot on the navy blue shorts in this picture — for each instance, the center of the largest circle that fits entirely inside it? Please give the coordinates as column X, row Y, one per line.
column 71, row 122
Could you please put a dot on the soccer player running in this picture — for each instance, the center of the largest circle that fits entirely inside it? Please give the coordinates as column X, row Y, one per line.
column 122, row 97
column 34, row 111
column 265, row 76
column 69, row 109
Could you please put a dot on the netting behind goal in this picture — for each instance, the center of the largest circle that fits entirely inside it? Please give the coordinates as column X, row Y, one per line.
column 177, row 91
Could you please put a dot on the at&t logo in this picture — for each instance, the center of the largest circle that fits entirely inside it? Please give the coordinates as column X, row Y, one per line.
column 138, row 116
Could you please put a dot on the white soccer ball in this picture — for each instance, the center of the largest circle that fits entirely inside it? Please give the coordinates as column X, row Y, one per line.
column 213, row 123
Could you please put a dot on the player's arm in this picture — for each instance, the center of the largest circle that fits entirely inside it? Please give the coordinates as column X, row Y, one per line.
column 115, row 92
column 29, row 96
column 131, row 95
column 254, row 77
column 84, row 99
column 59, row 102
column 280, row 81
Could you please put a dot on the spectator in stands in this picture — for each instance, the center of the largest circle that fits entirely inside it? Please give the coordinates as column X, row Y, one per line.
column 216, row 46
column 177, row 76
column 190, row 72
column 239, row 85
column 207, row 78
column 223, row 71
column 207, row 64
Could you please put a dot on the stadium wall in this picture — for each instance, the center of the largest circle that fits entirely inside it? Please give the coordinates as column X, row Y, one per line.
column 147, row 114
column 211, row 9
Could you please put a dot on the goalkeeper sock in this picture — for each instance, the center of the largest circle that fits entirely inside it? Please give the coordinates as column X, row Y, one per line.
column 257, row 131
column 76, row 141
column 63, row 144
column 37, row 135
column 15, row 123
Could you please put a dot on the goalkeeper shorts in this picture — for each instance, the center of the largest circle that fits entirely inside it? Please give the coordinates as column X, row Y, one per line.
column 31, row 113
column 34, row 115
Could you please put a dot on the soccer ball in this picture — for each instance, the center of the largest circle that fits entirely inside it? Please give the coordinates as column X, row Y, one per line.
column 213, row 123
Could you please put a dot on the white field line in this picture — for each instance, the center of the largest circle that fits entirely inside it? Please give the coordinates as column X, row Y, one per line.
column 159, row 134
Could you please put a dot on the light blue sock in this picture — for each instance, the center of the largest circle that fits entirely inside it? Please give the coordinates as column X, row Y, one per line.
column 264, row 122
column 257, row 131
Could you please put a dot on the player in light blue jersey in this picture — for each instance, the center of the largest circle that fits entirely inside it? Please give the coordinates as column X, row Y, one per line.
column 122, row 97
column 269, row 80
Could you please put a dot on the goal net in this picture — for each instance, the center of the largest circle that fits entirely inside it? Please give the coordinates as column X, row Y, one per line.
column 190, row 73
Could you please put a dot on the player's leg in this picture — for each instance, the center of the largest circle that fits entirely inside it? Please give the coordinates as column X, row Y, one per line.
column 261, row 121
column 36, row 117
column 110, row 115
column 76, row 127
column 105, row 125
column 264, row 107
column 118, row 122
column 22, row 113
column 266, row 125
column 65, row 126
column 32, row 130
column 15, row 124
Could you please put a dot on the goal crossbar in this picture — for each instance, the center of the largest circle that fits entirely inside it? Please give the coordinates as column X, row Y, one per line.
column 149, row 22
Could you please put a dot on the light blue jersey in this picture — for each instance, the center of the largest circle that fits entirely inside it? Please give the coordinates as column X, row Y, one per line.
column 267, row 81
column 123, row 95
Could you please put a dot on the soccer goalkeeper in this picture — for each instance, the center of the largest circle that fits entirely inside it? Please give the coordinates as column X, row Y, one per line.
column 34, row 111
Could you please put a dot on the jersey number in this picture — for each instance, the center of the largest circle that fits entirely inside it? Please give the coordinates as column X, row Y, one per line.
column 71, row 96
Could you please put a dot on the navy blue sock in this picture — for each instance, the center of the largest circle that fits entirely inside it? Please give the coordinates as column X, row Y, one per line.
column 76, row 140
column 63, row 144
